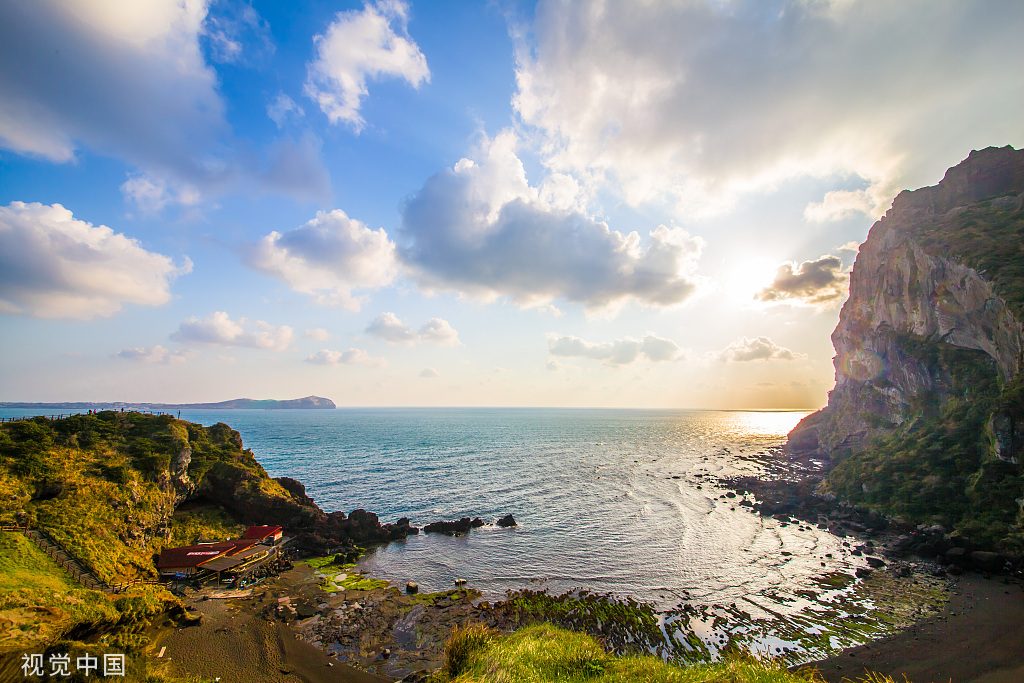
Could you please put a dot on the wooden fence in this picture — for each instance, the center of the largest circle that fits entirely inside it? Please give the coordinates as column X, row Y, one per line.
column 72, row 565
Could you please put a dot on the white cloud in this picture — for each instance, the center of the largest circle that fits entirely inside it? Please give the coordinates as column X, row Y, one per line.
column 153, row 194
column 821, row 282
column 328, row 258
column 759, row 348
column 153, row 354
column 128, row 79
column 429, row 373
column 55, row 266
column 481, row 229
column 618, row 352
column 282, row 109
column 219, row 329
column 350, row 357
column 318, row 333
column 390, row 328
column 701, row 101
column 358, row 46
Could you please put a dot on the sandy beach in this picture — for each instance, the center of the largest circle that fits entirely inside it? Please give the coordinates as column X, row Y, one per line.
column 976, row 639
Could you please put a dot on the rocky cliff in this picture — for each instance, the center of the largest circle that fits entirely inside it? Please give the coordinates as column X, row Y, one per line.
column 929, row 348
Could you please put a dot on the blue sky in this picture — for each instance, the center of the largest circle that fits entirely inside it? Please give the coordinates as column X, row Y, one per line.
column 451, row 203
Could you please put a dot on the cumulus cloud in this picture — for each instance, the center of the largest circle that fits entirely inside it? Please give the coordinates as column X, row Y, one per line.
column 318, row 333
column 481, row 229
column 701, row 101
column 328, row 258
column 390, row 328
column 759, row 348
column 53, row 265
column 359, row 46
column 218, row 329
column 821, row 282
column 129, row 79
column 153, row 354
column 618, row 352
column 151, row 195
column 429, row 373
column 352, row 356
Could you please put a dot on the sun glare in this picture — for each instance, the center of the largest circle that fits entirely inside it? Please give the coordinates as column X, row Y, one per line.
column 750, row 277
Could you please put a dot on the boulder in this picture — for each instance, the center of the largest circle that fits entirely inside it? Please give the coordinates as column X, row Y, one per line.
column 506, row 521
column 986, row 561
column 451, row 528
column 957, row 557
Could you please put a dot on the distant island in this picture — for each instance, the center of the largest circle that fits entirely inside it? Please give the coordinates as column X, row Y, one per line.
column 266, row 404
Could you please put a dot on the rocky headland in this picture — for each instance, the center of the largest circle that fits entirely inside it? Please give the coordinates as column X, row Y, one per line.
column 925, row 426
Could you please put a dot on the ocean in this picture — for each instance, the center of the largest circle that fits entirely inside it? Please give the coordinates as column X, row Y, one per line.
column 626, row 502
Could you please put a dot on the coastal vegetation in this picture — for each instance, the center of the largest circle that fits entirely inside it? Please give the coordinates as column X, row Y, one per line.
column 544, row 653
column 942, row 465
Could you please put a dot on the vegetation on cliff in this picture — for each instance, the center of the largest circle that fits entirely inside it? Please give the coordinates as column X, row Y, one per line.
column 106, row 485
column 942, row 466
column 927, row 418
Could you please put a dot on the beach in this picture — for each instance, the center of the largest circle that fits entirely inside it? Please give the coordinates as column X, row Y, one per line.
column 977, row 638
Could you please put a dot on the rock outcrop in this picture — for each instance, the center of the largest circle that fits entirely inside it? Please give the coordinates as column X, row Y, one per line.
column 908, row 290
column 926, row 420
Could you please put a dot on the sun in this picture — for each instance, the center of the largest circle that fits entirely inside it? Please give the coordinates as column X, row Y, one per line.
column 749, row 277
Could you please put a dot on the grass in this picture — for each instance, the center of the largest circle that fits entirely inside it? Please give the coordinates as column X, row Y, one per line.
column 206, row 524
column 546, row 654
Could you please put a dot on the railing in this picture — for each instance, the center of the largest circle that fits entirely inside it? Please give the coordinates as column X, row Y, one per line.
column 72, row 565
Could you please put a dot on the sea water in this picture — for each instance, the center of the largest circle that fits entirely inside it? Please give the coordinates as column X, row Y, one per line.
column 627, row 502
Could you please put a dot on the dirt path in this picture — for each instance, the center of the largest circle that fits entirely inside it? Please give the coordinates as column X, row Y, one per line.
column 978, row 638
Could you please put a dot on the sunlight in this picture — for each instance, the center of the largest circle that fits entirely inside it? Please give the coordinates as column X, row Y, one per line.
column 771, row 423
column 750, row 277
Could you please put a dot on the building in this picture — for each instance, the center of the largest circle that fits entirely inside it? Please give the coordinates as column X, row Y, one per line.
column 265, row 534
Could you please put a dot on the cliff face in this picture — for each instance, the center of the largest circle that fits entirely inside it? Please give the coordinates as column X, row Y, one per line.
column 929, row 353
column 908, row 288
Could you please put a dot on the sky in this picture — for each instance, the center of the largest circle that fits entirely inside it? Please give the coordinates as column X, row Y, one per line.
column 446, row 203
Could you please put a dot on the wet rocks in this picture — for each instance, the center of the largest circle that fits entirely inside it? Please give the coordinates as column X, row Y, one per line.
column 506, row 521
column 451, row 528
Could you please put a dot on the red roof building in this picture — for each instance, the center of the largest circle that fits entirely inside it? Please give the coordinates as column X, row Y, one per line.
column 261, row 533
column 187, row 561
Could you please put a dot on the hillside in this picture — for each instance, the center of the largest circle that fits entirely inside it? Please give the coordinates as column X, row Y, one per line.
column 927, row 417
column 116, row 487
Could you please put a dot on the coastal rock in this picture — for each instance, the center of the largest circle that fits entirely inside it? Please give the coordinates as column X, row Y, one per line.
column 296, row 489
column 506, row 521
column 459, row 527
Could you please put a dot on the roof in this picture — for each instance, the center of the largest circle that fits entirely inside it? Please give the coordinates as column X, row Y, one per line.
column 219, row 564
column 261, row 532
column 196, row 555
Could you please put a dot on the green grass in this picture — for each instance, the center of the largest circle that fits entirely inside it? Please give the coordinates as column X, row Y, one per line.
column 547, row 654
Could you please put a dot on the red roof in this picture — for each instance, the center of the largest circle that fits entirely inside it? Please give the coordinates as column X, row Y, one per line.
column 196, row 555
column 261, row 532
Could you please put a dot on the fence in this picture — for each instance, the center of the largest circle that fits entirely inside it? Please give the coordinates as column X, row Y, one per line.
column 62, row 416
column 73, row 566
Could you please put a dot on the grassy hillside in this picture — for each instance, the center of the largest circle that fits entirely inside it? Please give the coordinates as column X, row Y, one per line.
column 106, row 485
